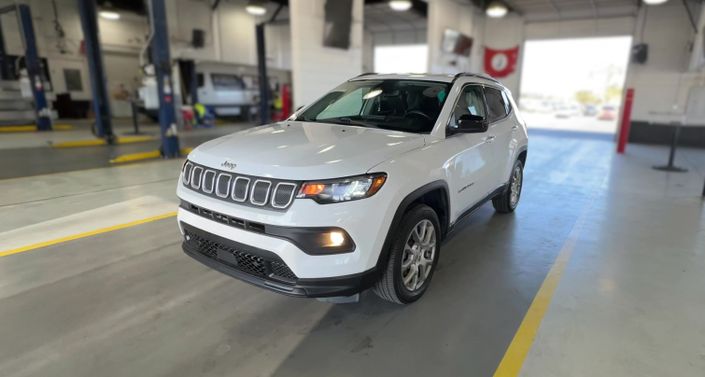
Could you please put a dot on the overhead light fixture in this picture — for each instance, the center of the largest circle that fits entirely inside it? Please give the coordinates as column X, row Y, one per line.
column 256, row 7
column 400, row 5
column 496, row 9
column 109, row 15
column 655, row 2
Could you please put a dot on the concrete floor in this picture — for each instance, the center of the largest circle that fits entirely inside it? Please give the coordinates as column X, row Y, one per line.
column 129, row 302
column 24, row 154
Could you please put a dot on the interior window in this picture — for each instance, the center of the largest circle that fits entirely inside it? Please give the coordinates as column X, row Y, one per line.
column 495, row 104
column 470, row 102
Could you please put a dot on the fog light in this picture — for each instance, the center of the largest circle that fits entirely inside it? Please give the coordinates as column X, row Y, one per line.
column 336, row 238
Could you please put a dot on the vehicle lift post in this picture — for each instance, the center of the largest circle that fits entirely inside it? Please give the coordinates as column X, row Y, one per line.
column 91, row 35
column 161, row 60
column 4, row 63
column 33, row 64
column 264, row 115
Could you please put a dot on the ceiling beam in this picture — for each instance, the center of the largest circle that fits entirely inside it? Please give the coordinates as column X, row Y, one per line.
column 594, row 8
column 555, row 7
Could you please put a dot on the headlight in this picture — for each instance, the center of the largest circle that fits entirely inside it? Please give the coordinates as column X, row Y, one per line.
column 342, row 189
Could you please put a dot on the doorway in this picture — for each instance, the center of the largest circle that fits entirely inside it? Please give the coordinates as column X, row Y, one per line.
column 401, row 58
column 574, row 84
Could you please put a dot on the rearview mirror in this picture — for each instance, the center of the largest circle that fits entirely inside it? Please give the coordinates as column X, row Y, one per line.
column 468, row 123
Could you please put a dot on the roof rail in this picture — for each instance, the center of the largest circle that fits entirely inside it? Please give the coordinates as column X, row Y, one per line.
column 477, row 75
column 364, row 74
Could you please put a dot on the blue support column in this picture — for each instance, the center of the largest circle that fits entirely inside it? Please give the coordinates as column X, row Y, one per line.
column 264, row 116
column 162, row 68
column 4, row 63
column 34, row 68
column 91, row 35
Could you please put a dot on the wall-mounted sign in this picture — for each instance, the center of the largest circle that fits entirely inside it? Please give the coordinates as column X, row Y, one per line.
column 501, row 63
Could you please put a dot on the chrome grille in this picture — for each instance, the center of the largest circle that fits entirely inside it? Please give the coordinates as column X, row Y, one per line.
column 247, row 190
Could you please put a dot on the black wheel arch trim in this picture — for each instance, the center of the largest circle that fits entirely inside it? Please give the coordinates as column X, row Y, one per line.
column 403, row 207
column 521, row 150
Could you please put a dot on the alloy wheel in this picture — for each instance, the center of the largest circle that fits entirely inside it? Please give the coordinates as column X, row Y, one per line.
column 419, row 253
column 515, row 187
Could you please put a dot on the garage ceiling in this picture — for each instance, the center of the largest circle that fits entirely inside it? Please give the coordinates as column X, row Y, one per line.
column 379, row 18
column 548, row 10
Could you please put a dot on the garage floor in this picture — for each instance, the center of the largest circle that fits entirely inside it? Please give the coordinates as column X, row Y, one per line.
column 24, row 154
column 128, row 302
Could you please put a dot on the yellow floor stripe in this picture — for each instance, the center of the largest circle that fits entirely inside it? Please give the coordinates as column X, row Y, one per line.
column 139, row 156
column 18, row 129
column 85, row 234
column 134, row 139
column 519, row 348
column 95, row 142
column 79, row 143
column 131, row 157
column 33, row 128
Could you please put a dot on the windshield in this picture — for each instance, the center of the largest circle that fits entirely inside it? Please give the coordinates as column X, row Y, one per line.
column 402, row 105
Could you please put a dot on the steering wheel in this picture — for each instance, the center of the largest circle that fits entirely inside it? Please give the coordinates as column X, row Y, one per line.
column 419, row 114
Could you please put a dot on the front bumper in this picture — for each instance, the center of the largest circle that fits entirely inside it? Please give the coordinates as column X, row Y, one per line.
column 365, row 221
column 265, row 269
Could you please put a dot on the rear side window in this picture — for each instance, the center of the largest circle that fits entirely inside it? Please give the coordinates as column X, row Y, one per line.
column 507, row 102
column 496, row 105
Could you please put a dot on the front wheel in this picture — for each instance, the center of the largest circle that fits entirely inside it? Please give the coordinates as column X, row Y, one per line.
column 508, row 200
column 413, row 257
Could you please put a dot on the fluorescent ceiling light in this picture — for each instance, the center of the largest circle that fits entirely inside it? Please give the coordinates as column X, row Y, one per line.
column 256, row 8
column 496, row 9
column 400, row 5
column 655, row 2
column 108, row 15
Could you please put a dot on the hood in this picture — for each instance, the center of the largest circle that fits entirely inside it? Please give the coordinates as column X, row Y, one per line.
column 304, row 150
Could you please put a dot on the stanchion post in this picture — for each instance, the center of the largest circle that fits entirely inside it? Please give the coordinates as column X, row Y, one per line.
column 626, row 121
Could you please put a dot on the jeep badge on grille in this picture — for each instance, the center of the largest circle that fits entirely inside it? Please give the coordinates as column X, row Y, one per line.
column 228, row 164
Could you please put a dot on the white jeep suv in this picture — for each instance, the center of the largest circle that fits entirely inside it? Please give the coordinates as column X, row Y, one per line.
column 356, row 190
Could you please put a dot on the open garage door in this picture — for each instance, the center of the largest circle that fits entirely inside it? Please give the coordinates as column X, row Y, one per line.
column 574, row 84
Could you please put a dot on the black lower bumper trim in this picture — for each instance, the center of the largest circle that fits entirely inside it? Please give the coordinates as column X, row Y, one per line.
column 324, row 287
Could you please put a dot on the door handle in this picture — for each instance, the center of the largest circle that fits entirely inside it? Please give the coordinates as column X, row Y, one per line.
column 489, row 139
column 515, row 127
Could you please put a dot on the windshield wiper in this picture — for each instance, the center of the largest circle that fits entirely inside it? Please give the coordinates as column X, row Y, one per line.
column 348, row 120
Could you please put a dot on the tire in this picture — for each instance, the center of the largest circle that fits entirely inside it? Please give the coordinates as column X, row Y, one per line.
column 422, row 258
column 506, row 202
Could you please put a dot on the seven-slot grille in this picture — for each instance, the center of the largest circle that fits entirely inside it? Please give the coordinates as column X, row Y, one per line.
column 248, row 190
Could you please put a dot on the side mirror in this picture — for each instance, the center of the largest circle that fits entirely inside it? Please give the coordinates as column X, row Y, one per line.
column 468, row 123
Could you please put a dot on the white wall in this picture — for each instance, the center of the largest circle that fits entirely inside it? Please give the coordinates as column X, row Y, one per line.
column 697, row 62
column 230, row 33
column 589, row 28
column 502, row 34
column 406, row 37
column 230, row 39
column 121, row 40
column 368, row 51
column 317, row 69
column 460, row 16
column 663, row 83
